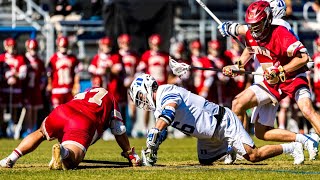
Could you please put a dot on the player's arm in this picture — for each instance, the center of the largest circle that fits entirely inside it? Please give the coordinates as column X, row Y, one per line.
column 239, row 65
column 230, row 28
column 301, row 59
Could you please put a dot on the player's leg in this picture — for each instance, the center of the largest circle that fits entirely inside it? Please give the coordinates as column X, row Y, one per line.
column 27, row 145
column 282, row 116
column 308, row 111
column 244, row 145
column 254, row 154
column 211, row 150
column 243, row 101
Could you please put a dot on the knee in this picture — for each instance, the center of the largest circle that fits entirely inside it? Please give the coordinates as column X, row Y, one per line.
column 205, row 162
column 307, row 112
column 259, row 135
column 237, row 108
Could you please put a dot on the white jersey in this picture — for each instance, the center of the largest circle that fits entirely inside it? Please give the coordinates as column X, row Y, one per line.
column 194, row 114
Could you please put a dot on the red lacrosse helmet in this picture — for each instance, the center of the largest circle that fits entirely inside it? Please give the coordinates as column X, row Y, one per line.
column 214, row 44
column 259, row 18
column 31, row 44
column 317, row 41
column 195, row 44
column 105, row 41
column 9, row 42
column 62, row 41
column 124, row 38
column 155, row 39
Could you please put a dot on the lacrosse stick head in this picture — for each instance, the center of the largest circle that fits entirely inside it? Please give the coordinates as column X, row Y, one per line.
column 178, row 69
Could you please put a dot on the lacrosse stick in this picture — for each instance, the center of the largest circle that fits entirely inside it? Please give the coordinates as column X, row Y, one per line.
column 10, row 127
column 180, row 69
column 214, row 17
column 19, row 125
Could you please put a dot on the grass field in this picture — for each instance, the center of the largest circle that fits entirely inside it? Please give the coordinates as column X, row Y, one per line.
column 177, row 159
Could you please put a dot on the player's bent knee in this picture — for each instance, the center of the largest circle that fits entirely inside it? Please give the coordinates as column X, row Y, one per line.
column 205, row 162
column 117, row 127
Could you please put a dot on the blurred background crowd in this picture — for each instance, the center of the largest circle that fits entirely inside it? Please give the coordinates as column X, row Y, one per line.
column 54, row 49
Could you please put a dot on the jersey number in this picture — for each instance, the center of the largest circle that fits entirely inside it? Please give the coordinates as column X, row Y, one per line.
column 187, row 129
column 64, row 76
column 97, row 98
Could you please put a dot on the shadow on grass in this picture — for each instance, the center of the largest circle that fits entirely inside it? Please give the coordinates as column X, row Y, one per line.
column 85, row 164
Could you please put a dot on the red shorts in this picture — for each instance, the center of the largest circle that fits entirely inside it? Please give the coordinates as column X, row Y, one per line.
column 288, row 88
column 69, row 127
column 58, row 99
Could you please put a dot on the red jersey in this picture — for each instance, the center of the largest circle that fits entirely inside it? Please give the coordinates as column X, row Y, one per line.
column 34, row 84
column 83, row 119
column 36, row 71
column 63, row 70
column 200, row 76
column 280, row 46
column 156, row 64
column 100, row 67
column 316, row 77
column 130, row 61
column 18, row 68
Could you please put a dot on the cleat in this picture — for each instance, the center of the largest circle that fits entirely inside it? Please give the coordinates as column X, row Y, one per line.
column 56, row 161
column 297, row 153
column 312, row 146
column 148, row 157
column 230, row 158
column 6, row 163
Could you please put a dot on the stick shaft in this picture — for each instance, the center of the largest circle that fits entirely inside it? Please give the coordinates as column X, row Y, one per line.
column 220, row 70
column 214, row 17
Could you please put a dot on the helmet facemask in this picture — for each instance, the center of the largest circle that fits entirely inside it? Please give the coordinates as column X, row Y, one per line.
column 141, row 92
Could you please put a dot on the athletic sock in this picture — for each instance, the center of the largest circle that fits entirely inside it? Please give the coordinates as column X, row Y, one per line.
column 302, row 138
column 64, row 152
column 287, row 148
column 15, row 155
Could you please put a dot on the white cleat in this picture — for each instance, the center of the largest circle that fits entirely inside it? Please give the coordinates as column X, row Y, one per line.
column 56, row 161
column 6, row 163
column 230, row 158
column 312, row 145
column 297, row 153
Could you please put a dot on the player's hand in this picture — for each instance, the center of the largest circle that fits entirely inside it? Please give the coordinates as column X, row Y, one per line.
column 11, row 81
column 152, row 139
column 228, row 29
column 274, row 73
column 133, row 158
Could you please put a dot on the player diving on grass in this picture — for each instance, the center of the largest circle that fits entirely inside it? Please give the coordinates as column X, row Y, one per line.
column 217, row 128
column 77, row 125
column 283, row 59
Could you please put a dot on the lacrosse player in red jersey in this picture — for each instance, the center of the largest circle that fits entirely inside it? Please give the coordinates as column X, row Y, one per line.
column 34, row 85
column 154, row 62
column 316, row 77
column 63, row 74
column 77, row 124
column 283, row 59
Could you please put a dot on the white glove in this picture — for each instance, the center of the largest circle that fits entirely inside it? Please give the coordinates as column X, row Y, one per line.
column 152, row 139
column 228, row 28
column 11, row 81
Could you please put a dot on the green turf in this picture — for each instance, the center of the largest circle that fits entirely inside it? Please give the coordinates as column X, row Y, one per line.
column 177, row 159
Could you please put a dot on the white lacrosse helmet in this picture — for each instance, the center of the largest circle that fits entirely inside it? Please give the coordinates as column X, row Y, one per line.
column 278, row 8
column 141, row 92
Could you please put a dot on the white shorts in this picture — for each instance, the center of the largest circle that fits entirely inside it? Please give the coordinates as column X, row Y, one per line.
column 230, row 129
column 265, row 112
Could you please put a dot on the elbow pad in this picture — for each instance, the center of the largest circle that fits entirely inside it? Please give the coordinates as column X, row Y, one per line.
column 168, row 114
column 117, row 127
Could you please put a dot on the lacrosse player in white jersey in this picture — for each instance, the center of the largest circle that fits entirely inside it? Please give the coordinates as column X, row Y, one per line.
column 261, row 117
column 217, row 128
